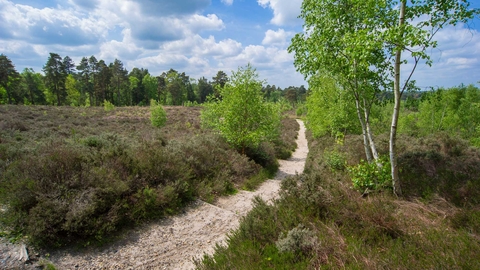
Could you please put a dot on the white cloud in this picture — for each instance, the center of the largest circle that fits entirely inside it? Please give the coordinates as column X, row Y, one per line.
column 276, row 37
column 462, row 62
column 284, row 12
column 197, row 23
column 93, row 22
column 49, row 26
column 196, row 45
column 273, row 64
column 227, row 2
column 156, row 35
column 456, row 60
column 120, row 49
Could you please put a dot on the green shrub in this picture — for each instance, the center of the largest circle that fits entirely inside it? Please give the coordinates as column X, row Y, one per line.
column 242, row 116
column 158, row 116
column 301, row 110
column 189, row 103
column 335, row 160
column 87, row 100
column 371, row 176
column 108, row 106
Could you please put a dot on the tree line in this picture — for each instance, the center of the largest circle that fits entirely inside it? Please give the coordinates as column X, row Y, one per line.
column 93, row 81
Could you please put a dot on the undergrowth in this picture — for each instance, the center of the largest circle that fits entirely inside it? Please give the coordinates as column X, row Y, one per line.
column 321, row 221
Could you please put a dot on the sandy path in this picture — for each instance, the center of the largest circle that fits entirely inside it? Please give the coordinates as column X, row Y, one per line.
column 172, row 243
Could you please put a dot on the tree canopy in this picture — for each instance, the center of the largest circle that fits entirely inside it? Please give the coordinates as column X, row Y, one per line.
column 360, row 43
column 242, row 116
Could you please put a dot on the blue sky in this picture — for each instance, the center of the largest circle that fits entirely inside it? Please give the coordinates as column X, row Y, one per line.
column 198, row 37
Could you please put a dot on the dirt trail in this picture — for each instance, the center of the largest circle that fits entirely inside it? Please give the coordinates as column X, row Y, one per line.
column 172, row 243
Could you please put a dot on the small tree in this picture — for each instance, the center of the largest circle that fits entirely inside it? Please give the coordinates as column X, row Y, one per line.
column 242, row 117
column 158, row 116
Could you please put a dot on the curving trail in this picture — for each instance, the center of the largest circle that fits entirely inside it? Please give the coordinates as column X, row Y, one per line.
column 172, row 243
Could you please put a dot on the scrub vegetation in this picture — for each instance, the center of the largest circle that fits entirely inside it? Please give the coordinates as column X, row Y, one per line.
column 322, row 221
column 78, row 174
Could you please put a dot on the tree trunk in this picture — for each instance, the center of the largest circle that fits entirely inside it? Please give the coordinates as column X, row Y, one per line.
column 9, row 99
column 58, row 94
column 373, row 148
column 366, row 144
column 396, row 109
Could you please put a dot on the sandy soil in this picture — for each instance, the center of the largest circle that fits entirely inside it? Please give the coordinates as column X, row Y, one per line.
column 172, row 243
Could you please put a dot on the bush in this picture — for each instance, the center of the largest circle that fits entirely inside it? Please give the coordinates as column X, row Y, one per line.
column 189, row 103
column 301, row 110
column 242, row 117
column 108, row 106
column 97, row 172
column 88, row 189
column 158, row 116
column 371, row 176
column 335, row 160
column 299, row 240
column 468, row 219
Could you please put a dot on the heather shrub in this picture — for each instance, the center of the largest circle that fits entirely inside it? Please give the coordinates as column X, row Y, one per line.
column 97, row 172
column 441, row 165
column 299, row 240
column 285, row 144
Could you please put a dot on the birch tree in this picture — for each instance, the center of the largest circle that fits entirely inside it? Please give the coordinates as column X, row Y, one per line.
column 242, row 117
column 337, row 42
column 366, row 43
column 418, row 23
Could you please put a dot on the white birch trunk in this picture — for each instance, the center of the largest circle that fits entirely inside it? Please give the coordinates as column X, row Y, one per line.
column 396, row 109
column 366, row 144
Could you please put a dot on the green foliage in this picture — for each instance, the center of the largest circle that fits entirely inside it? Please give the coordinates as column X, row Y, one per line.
column 329, row 110
column 46, row 265
column 190, row 103
column 335, row 160
column 242, row 117
column 87, row 100
column 361, row 43
column 371, row 176
column 284, row 105
column 108, row 106
column 301, row 110
column 455, row 110
column 158, row 116
column 150, row 83
column 73, row 94
column 55, row 77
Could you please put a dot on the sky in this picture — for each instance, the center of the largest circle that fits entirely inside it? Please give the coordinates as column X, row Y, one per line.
column 198, row 37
